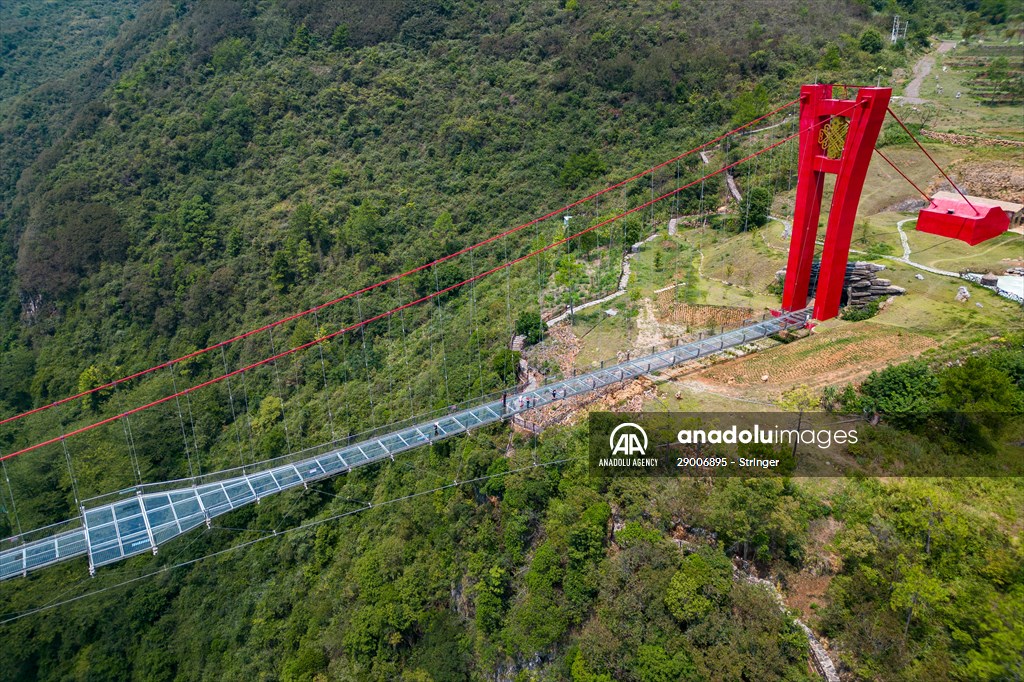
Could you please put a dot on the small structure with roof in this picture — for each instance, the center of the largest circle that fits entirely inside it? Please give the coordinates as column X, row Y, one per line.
column 1014, row 211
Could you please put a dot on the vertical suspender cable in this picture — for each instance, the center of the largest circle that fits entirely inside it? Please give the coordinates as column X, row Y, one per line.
column 248, row 419
column 71, row 472
column 234, row 416
column 280, row 391
column 405, row 357
column 440, row 322
column 677, row 185
column 540, row 283
column 128, row 439
column 10, row 491
column 475, row 325
column 389, row 371
column 323, row 371
column 195, row 439
column 366, row 364
column 652, row 199
column 508, row 294
column 181, row 420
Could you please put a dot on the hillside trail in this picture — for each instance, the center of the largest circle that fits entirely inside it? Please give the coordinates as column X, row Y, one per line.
column 912, row 93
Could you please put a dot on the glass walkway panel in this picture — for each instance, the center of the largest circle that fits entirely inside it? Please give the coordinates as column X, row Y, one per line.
column 144, row 521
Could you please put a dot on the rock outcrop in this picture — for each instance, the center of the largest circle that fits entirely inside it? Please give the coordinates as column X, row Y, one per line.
column 862, row 283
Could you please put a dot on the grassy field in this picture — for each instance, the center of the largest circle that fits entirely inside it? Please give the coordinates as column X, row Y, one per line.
column 949, row 254
column 929, row 308
column 966, row 115
column 602, row 335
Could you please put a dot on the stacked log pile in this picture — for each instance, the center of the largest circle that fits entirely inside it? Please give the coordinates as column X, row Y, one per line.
column 862, row 283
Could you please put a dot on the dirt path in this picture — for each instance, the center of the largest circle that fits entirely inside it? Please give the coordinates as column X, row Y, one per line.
column 733, row 188
column 907, row 254
column 912, row 93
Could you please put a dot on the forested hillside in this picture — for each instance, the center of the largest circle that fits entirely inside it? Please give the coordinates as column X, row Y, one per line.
column 177, row 173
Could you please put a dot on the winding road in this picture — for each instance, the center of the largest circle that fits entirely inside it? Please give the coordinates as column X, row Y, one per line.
column 912, row 93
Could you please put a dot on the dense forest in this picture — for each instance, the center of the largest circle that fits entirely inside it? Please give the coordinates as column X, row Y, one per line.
column 177, row 173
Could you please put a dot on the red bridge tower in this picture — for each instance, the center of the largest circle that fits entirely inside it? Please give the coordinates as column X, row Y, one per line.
column 836, row 136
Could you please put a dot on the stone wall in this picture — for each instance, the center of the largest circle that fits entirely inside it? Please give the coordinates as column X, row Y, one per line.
column 862, row 283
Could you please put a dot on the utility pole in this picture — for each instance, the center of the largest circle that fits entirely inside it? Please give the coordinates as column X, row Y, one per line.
column 899, row 29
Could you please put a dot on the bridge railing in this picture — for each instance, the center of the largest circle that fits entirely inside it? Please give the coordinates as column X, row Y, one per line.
column 423, row 417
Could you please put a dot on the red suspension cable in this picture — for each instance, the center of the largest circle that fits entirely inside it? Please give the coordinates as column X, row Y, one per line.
column 380, row 316
column 888, row 161
column 394, row 278
column 921, row 147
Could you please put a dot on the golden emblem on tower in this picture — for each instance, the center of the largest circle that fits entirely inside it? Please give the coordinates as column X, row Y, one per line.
column 833, row 136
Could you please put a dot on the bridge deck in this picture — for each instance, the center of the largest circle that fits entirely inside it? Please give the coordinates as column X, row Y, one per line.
column 141, row 523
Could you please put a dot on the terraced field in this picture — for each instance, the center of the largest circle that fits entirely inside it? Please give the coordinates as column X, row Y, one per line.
column 836, row 354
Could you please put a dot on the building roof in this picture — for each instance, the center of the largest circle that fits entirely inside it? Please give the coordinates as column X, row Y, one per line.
column 1007, row 206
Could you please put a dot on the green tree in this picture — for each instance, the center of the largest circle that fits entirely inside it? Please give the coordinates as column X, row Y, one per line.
column 309, row 223
column 699, row 586
column 831, row 60
column 756, row 207
column 972, row 25
column 530, row 325
column 751, row 104
column 363, row 228
column 901, row 392
column 655, row 665
column 282, row 270
column 340, row 37
column 92, row 377
column 580, row 168
column 581, row 672
column 228, row 55
column 269, row 413
column 916, row 592
column 798, row 399
column 302, row 40
column 490, row 599
column 570, row 271
column 194, row 229
column 871, row 41
column 504, row 364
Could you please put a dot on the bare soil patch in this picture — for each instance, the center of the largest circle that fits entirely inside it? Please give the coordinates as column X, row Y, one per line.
column 697, row 316
column 831, row 356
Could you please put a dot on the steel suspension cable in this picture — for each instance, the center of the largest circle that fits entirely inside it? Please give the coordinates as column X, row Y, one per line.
column 366, row 364
column 410, row 304
column 181, row 420
column 440, row 322
column 10, row 491
column 402, row 275
column 903, row 175
column 129, row 441
column 934, row 163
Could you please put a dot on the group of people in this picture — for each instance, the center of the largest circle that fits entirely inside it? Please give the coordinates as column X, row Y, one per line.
column 525, row 402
